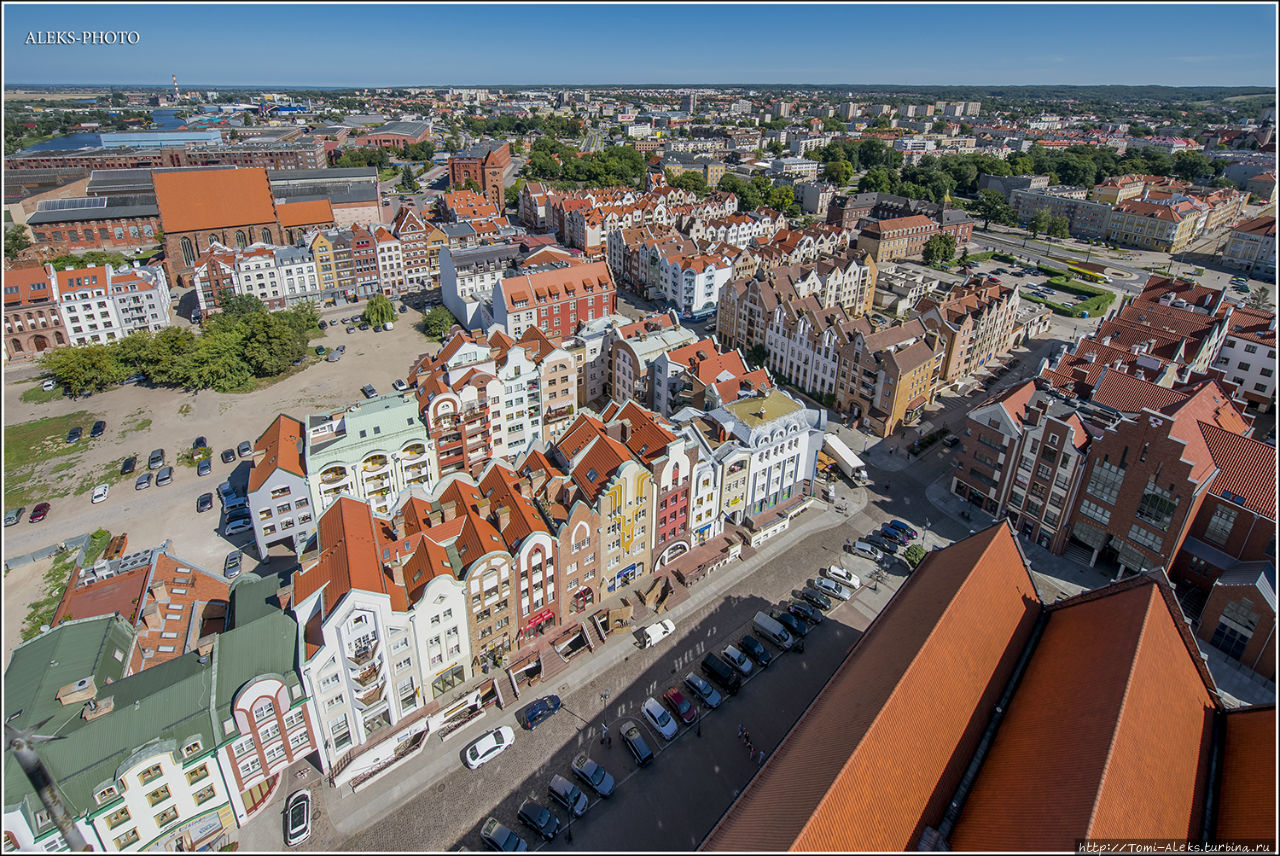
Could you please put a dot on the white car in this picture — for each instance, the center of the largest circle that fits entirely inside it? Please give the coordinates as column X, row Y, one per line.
column 840, row 575
column 399, row 385
column 832, row 588
column 659, row 718
column 738, row 659
column 100, row 493
column 655, row 633
column 297, row 814
column 488, row 747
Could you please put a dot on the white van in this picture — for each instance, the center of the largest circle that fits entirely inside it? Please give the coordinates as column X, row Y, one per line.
column 769, row 627
column 862, row 548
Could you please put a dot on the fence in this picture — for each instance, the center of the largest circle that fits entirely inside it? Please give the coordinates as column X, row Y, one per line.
column 80, row 543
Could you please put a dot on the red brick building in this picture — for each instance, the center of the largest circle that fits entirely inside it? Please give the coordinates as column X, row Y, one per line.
column 557, row 301
column 485, row 164
column 64, row 226
column 32, row 322
column 396, row 135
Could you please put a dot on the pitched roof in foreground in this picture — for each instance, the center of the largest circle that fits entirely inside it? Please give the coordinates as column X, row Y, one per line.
column 1247, row 798
column 941, row 651
column 1108, row 733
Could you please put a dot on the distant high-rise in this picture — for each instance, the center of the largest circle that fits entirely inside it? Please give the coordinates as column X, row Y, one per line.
column 689, row 103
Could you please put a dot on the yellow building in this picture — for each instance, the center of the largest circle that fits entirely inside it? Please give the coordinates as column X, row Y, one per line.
column 1163, row 228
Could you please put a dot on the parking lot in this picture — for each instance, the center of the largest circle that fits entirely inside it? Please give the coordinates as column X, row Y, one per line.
column 173, row 419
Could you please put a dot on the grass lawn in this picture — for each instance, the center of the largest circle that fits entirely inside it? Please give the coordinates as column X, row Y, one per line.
column 29, row 444
column 37, row 394
column 55, row 582
column 109, row 474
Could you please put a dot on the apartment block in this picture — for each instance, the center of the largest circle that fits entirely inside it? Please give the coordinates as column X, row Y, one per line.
column 887, row 377
column 976, row 326
column 32, row 318
column 1252, row 247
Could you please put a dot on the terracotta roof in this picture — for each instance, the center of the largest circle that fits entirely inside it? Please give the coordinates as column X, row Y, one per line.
column 349, row 558
column 1246, row 469
column 1247, row 796
column 26, row 279
column 1258, row 225
column 1128, row 394
column 193, row 199
column 555, row 284
column 281, row 445
column 648, row 438
column 71, row 281
column 311, row 213
column 880, row 751
column 1106, row 736
column 1150, row 209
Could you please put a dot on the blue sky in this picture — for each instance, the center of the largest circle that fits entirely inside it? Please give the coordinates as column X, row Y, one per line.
column 318, row 44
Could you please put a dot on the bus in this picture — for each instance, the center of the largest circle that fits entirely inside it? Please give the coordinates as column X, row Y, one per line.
column 1088, row 275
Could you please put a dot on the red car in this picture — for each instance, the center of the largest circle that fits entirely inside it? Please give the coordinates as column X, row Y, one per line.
column 40, row 512
column 680, row 706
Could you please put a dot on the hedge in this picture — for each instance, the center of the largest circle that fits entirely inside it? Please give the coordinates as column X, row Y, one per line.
column 1099, row 298
column 1051, row 271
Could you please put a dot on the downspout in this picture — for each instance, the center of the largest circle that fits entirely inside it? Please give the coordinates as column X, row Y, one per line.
column 938, row 841
column 1208, row 821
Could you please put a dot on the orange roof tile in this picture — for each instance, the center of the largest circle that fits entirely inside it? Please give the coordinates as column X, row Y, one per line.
column 281, row 445
column 193, row 199
column 349, row 558
column 1247, row 797
column 25, row 279
column 1246, row 469
column 879, row 752
column 316, row 212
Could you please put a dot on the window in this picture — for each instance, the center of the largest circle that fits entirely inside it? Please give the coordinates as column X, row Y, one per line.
column 191, row 748
column 242, row 746
column 262, row 710
column 130, row 837
column 201, row 772
column 150, row 773
column 159, row 795
column 166, row 817
column 1145, row 538
column 1105, row 481
column 1095, row 512
column 118, row 817
column 106, row 795
column 1221, row 524
column 204, row 795
column 253, row 765
column 1157, row 506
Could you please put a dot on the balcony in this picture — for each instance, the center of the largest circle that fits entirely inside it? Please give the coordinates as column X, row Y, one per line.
column 377, row 482
column 374, row 463
column 365, row 656
column 334, row 475
column 369, row 675
column 413, row 453
column 371, row 695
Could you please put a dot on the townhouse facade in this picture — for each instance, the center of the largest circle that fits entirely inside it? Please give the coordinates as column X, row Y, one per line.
column 1247, row 357
column 635, row 349
column 556, row 300
column 32, row 318
column 420, row 243
column 1163, row 228
column 105, row 304
column 976, row 325
column 1252, row 246
column 887, row 377
column 896, row 238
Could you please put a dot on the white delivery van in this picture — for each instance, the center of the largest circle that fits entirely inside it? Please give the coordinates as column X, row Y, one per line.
column 771, row 629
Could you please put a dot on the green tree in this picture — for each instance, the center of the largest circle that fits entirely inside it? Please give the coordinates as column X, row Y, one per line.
column 1190, row 166
column 236, row 307
column 1222, row 181
column 758, row 356
column 437, row 323
column 838, row 172
column 690, row 180
column 15, row 241
column 1059, row 227
column 882, row 123
column 833, row 125
column 940, row 126
column 1040, row 222
column 270, row 345
column 914, row 555
column 216, row 362
column 939, row 248
column 878, row 179
column 379, row 310
column 407, row 181
column 165, row 352
column 517, row 147
column 775, row 148
column 783, row 198
column 85, row 367
column 1259, row 298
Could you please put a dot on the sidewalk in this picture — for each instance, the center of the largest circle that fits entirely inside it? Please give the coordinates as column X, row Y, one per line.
column 350, row 813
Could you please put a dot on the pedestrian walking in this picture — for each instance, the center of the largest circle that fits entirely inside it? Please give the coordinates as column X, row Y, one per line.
column 604, row 734
column 746, row 735
column 741, row 731
column 760, row 763
column 751, row 751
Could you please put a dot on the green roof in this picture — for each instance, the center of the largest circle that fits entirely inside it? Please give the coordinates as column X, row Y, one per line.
column 758, row 410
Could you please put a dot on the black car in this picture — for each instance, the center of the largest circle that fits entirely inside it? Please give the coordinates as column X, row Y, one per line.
column 727, row 676
column 74, row 434
column 364, row 326
column 794, row 626
column 204, row 503
column 880, row 543
column 130, row 464
column 368, row 390
column 895, row 535
column 815, row 597
column 755, row 649
column 805, row 611
column 539, row 819
column 200, row 443
column 568, row 795
column 951, row 440
column 228, row 455
column 319, row 350
column 534, row 714
column 636, row 745
column 324, row 325
column 99, row 428
column 596, row 777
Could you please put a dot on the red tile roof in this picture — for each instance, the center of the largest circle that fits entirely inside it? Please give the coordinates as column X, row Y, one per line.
column 1247, row 797
column 316, row 212
column 193, row 199
column 557, row 284
column 349, row 558
column 1246, row 469
column 1128, row 394
column 281, row 445
column 25, row 279
column 1106, row 736
column 880, row 751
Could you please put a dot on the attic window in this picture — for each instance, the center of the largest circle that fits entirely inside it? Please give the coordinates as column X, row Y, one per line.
column 591, row 474
column 363, row 433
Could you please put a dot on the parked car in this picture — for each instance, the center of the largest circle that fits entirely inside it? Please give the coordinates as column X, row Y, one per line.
column 738, row 660
column 236, row 526
column 399, row 386
column 130, row 464
column 99, row 428
column 199, row 443
column 228, row 456
column 403, row 309
column 368, row 390
column 706, row 693
column 100, row 493
column 49, row 385
column 320, row 350
column 364, row 325
column 831, row 588
column 815, row 597
column 805, row 611
column 350, row 329
column 659, row 718
column 231, row 565
column 204, row 467
column 681, row 707
column 245, row 449
column 596, row 777
column 655, row 633
column 539, row 819
column 334, row 356
column 881, row 543
column 903, row 527
column 568, row 795
column 164, row 477
column 897, row 536
column 637, row 745
column 950, row 440
column 842, row 576
column 794, row 626
column 488, row 747
column 722, row 673
column 13, row 515
column 74, row 434
column 324, row 325
column 226, row 492
column 143, row 482
column 156, row 460
column 204, row 502
column 297, row 818
column 755, row 649
column 40, row 512
column 533, row 714
column 498, row 837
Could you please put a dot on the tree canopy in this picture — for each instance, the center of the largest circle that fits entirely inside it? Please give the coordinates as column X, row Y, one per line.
column 379, row 310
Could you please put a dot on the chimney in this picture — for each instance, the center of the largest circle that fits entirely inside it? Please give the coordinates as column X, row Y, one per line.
column 97, row 707
column 526, row 489
column 482, row 506
column 537, row 479
column 502, row 516
column 449, row 510
column 159, row 591
column 435, row 517
column 81, row 690
column 151, row 617
column 397, row 572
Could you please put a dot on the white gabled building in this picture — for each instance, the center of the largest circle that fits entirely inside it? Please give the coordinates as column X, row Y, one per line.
column 279, row 496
